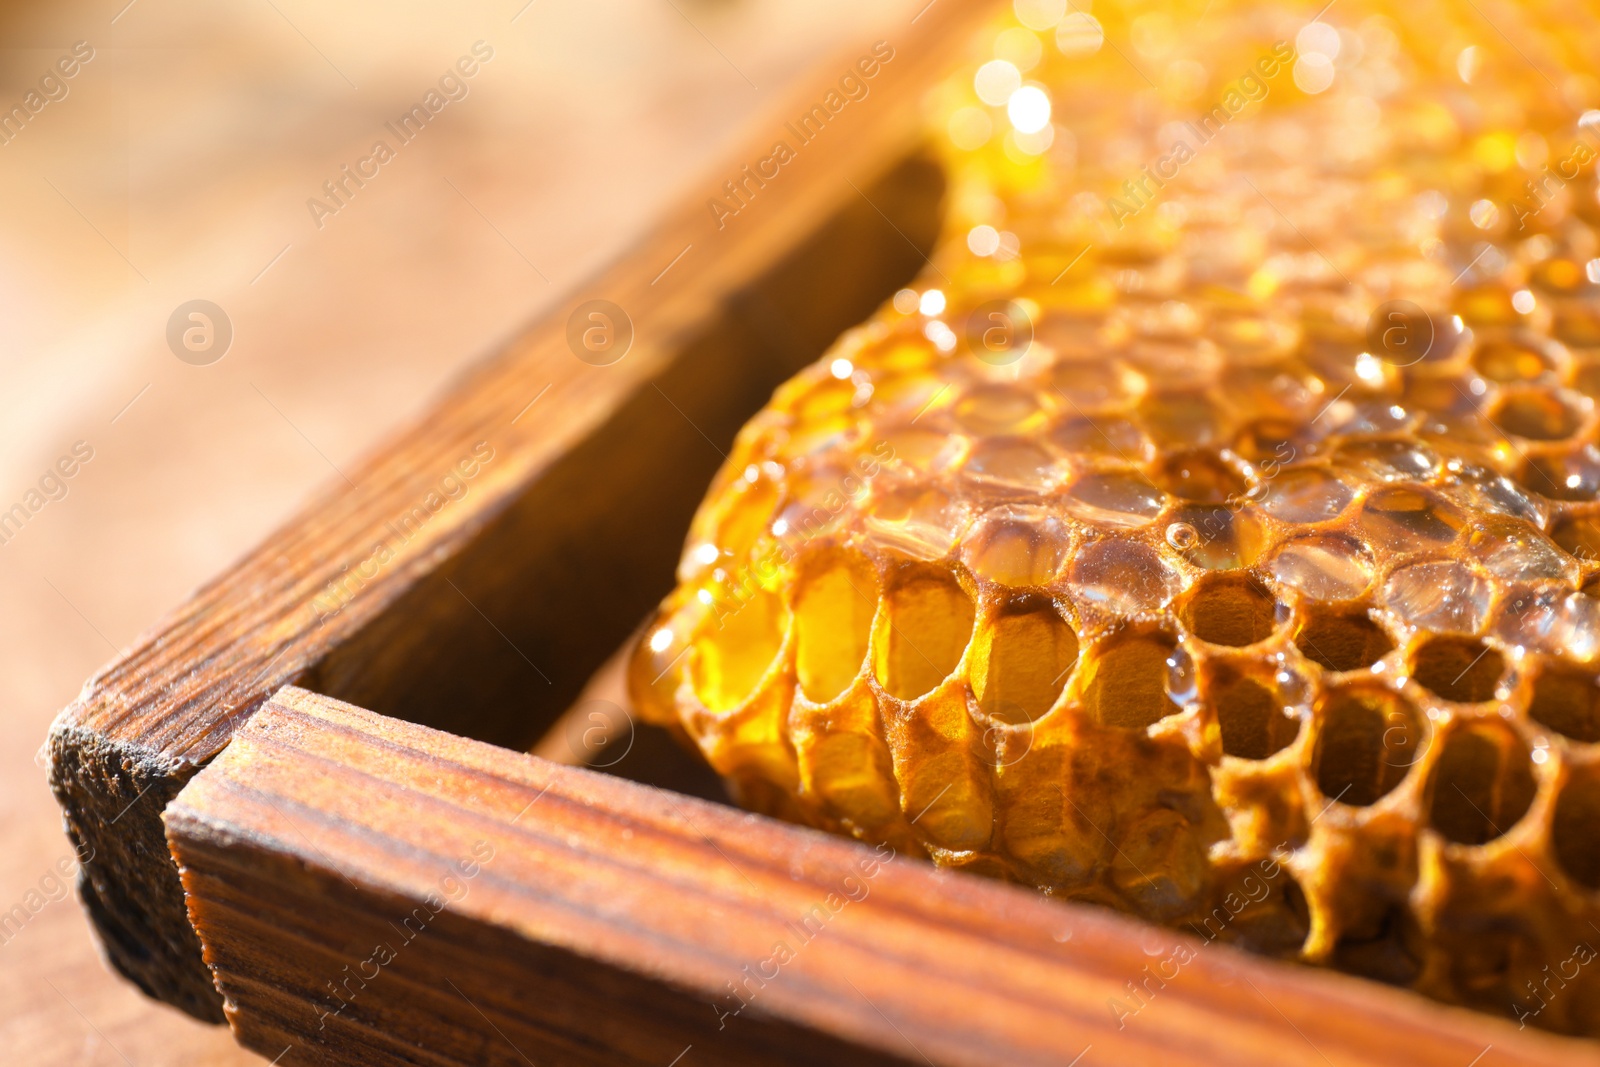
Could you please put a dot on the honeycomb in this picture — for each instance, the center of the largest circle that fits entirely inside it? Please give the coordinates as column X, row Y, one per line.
column 1210, row 532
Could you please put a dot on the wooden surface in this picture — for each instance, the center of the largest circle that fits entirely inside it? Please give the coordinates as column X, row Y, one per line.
column 569, row 917
column 190, row 146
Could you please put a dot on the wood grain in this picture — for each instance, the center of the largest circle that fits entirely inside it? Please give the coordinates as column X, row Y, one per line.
column 582, row 919
column 192, row 143
column 492, row 614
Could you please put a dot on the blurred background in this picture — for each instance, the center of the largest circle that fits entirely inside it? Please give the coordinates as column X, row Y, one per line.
column 174, row 164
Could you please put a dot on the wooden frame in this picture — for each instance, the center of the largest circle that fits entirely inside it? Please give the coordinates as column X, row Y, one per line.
column 610, row 918
column 371, row 891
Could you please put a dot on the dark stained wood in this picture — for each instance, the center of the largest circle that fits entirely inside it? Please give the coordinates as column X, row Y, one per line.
column 583, row 919
column 487, row 617
column 622, row 745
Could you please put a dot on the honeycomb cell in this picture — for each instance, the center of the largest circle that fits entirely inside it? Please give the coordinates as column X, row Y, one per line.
column 1382, row 943
column 1546, row 618
column 1365, row 746
column 1325, row 566
column 1486, row 305
column 907, row 394
column 1576, row 322
column 1454, row 416
column 1017, row 546
column 1451, row 338
column 740, row 528
column 1128, row 676
column 1538, row 415
column 929, row 622
column 1229, row 610
column 1092, row 384
column 816, row 502
column 1159, row 866
column 951, row 802
column 1457, row 668
column 1482, row 784
column 1200, row 477
column 1557, row 275
column 1586, row 380
column 1252, row 333
column 850, row 772
column 1124, row 576
column 920, row 522
column 1012, row 463
column 1392, row 460
column 1578, row 535
column 1031, row 652
column 1253, row 720
column 1215, row 537
column 833, row 624
column 924, row 450
column 1114, row 499
column 1567, row 700
column 731, row 658
column 1278, row 919
column 1483, row 490
column 1180, row 419
column 998, row 409
column 1105, row 438
column 1511, row 361
column 1335, row 353
column 1269, row 441
column 1369, row 417
column 821, row 436
column 1438, row 595
column 1168, row 320
column 1177, row 371
column 1405, row 519
column 1573, row 475
column 828, row 397
column 1342, row 640
column 1515, row 551
column 1575, row 828
column 1306, row 495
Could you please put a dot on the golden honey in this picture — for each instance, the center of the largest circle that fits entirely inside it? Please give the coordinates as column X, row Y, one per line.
column 1211, row 531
